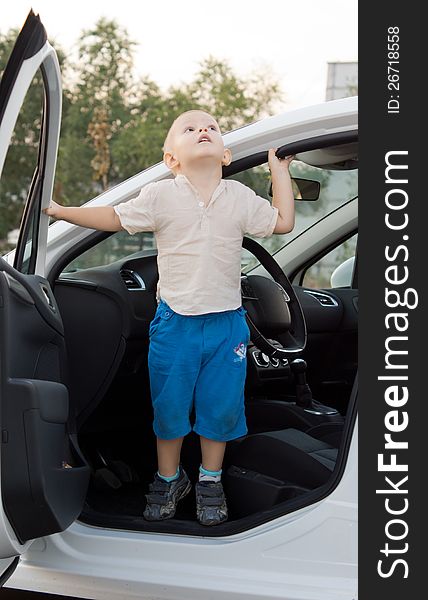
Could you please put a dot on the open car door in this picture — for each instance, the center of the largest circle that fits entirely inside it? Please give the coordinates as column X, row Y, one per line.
column 43, row 476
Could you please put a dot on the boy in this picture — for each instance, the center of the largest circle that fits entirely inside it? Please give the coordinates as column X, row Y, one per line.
column 199, row 335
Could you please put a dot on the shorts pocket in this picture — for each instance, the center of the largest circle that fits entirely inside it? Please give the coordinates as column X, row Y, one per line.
column 247, row 332
column 242, row 311
column 162, row 315
column 154, row 324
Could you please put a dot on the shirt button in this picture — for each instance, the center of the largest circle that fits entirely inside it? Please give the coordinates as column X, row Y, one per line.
column 201, row 203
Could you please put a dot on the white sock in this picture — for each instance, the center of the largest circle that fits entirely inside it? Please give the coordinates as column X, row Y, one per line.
column 205, row 475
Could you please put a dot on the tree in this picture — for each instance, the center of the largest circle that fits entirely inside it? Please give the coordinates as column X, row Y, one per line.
column 100, row 105
column 114, row 124
column 234, row 101
column 99, row 130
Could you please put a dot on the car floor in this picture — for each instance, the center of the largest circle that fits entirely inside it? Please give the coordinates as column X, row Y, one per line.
column 119, row 444
column 119, row 486
column 122, row 508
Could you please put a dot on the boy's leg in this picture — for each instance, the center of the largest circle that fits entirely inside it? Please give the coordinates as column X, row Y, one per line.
column 173, row 361
column 168, row 456
column 211, row 507
column 212, row 454
column 171, row 482
column 219, row 405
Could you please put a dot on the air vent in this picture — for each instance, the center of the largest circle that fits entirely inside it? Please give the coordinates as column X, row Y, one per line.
column 323, row 299
column 132, row 280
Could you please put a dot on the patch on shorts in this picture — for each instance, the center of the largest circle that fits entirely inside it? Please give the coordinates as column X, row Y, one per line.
column 240, row 350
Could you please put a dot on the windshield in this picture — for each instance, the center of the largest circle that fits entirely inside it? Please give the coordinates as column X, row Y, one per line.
column 336, row 188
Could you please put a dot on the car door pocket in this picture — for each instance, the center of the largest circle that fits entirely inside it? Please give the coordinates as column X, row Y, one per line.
column 33, row 455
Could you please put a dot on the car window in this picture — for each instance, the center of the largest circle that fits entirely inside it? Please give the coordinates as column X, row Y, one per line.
column 334, row 269
column 19, row 168
column 336, row 188
column 113, row 248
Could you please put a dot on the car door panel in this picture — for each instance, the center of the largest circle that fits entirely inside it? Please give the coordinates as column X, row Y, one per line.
column 44, row 477
column 40, row 494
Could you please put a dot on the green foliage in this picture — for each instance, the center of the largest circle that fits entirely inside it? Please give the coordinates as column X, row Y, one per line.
column 233, row 100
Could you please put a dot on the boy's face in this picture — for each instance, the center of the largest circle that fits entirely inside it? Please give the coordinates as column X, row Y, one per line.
column 195, row 136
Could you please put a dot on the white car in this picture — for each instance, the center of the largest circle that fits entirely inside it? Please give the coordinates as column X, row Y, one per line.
column 78, row 450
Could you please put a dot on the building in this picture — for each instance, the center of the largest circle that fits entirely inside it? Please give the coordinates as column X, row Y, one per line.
column 342, row 80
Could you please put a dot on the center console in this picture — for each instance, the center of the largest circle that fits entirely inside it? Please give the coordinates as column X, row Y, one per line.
column 279, row 395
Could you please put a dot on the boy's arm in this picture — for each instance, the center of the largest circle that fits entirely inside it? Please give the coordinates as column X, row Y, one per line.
column 103, row 218
column 283, row 197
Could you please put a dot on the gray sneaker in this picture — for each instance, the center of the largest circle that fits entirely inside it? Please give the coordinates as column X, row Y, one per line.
column 211, row 507
column 163, row 496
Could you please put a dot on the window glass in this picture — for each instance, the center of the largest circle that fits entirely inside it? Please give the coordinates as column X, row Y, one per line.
column 336, row 188
column 334, row 269
column 113, row 248
column 19, row 168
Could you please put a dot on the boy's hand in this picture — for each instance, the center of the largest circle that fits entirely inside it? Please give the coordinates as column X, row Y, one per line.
column 53, row 210
column 276, row 163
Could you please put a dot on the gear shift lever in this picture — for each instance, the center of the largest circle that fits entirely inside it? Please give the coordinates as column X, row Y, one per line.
column 303, row 391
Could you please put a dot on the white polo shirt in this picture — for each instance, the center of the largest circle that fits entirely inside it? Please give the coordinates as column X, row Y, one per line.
column 199, row 246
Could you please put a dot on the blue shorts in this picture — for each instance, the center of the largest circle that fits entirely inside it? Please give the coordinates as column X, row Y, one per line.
column 200, row 361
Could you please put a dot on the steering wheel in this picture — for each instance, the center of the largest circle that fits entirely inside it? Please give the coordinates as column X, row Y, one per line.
column 272, row 307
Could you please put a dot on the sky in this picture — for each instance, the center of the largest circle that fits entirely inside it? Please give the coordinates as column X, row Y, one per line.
column 294, row 39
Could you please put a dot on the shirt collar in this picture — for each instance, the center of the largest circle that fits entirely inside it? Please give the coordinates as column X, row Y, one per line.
column 183, row 180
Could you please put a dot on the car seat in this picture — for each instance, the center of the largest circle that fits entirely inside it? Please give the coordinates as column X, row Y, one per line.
column 267, row 468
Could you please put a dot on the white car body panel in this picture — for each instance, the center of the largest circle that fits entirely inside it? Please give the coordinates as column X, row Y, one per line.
column 310, row 554
column 343, row 273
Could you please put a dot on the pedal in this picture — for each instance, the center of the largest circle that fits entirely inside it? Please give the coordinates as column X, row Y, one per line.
column 124, row 472
column 105, row 478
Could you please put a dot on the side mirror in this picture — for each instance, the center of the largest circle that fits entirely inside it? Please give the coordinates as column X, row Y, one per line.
column 342, row 275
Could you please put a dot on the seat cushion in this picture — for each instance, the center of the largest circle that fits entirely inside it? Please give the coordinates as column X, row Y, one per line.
column 287, row 454
column 318, row 449
column 330, row 433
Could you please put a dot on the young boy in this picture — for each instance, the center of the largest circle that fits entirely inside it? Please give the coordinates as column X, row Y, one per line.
column 199, row 335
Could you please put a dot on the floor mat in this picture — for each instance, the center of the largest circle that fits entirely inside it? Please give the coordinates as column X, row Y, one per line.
column 130, row 500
